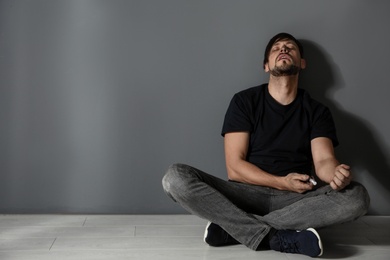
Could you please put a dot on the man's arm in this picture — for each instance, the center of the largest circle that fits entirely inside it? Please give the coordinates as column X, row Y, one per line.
column 236, row 148
column 326, row 165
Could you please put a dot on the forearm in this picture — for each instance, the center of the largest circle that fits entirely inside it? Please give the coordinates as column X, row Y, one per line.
column 325, row 169
column 246, row 172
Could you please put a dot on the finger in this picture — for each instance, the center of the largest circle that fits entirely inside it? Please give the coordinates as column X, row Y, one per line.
column 341, row 181
column 305, row 186
column 345, row 166
column 302, row 177
column 334, row 186
column 345, row 172
column 339, row 176
column 337, row 182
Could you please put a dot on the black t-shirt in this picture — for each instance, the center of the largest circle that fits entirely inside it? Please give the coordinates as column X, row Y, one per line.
column 280, row 135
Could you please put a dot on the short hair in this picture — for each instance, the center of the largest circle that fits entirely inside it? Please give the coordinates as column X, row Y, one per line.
column 279, row 37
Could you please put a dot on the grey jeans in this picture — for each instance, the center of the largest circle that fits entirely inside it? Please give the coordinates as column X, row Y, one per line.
column 248, row 212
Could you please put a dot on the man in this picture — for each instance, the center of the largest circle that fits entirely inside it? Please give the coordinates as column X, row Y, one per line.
column 273, row 135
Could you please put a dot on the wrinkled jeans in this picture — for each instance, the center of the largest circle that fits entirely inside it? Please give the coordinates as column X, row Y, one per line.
column 248, row 212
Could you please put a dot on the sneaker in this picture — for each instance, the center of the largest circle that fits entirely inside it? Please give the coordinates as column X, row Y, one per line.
column 306, row 242
column 214, row 235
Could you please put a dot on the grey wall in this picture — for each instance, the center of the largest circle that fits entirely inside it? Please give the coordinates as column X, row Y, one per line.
column 98, row 98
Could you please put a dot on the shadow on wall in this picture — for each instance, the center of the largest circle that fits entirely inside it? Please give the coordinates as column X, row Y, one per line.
column 359, row 147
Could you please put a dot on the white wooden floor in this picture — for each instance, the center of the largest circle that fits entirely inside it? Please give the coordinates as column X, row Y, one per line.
column 41, row 237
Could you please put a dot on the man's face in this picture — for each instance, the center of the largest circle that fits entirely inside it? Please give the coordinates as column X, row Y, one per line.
column 284, row 59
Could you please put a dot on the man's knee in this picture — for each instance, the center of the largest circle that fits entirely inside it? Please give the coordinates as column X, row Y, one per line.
column 174, row 179
column 359, row 199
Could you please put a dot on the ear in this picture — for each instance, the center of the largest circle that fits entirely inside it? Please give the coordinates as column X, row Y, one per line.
column 303, row 64
column 266, row 67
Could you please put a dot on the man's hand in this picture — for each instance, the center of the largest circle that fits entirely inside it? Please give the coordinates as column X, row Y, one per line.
column 298, row 182
column 342, row 177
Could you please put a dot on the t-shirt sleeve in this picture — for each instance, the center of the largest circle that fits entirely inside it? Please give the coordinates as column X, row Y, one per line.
column 324, row 126
column 237, row 117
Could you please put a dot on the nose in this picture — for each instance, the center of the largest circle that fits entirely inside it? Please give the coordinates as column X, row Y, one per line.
column 284, row 49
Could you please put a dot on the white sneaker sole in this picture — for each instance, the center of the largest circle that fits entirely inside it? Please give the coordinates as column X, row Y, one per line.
column 206, row 232
column 319, row 239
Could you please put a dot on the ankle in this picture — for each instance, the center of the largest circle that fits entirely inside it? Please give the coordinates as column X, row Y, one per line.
column 265, row 243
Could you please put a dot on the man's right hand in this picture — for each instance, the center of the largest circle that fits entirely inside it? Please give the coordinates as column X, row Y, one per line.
column 297, row 182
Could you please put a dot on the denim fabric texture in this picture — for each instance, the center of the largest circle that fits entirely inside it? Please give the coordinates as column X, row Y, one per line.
column 248, row 212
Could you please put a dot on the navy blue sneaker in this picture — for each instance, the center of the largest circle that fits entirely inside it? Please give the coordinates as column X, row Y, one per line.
column 214, row 235
column 306, row 242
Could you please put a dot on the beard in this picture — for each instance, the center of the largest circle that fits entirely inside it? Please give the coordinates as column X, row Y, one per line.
column 285, row 70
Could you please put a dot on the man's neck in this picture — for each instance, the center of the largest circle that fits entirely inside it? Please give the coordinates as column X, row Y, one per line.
column 283, row 89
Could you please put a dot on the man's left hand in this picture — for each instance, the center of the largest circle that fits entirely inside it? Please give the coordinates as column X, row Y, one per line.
column 342, row 177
